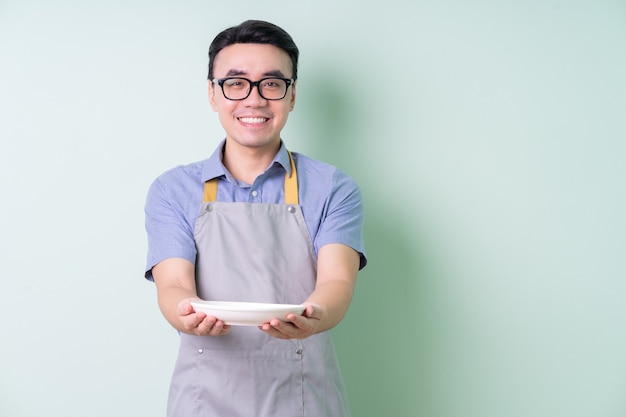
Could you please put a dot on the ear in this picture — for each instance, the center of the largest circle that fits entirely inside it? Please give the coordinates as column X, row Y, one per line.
column 293, row 96
column 212, row 96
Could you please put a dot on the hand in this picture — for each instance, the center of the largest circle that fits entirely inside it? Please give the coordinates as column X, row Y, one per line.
column 294, row 326
column 199, row 323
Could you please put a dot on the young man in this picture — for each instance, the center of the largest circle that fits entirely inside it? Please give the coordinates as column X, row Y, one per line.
column 255, row 223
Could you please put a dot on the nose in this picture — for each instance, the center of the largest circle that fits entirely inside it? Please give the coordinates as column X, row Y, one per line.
column 254, row 98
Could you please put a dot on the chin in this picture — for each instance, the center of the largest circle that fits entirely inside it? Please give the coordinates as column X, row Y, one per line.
column 257, row 142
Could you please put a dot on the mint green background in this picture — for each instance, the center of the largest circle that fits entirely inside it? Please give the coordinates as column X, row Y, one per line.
column 489, row 140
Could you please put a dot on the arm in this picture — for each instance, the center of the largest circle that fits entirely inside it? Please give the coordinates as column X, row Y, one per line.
column 337, row 269
column 176, row 288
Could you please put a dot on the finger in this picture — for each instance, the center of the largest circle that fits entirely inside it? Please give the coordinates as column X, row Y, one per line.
column 206, row 325
column 300, row 322
column 217, row 329
column 225, row 329
column 212, row 326
column 272, row 330
column 192, row 321
column 285, row 329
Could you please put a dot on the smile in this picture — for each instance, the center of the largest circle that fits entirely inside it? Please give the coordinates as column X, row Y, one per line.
column 252, row 120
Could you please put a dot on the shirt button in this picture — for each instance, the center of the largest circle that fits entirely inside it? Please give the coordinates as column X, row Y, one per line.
column 254, row 193
column 291, row 209
column 200, row 351
column 299, row 351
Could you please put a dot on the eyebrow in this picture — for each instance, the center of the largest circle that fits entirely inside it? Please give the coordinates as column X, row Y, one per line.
column 273, row 73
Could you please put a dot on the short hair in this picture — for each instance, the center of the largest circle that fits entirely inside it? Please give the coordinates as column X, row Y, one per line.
column 255, row 31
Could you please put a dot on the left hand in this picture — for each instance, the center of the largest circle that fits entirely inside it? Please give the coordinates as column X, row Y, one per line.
column 294, row 326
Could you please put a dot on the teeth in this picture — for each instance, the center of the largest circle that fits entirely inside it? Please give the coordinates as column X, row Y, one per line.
column 253, row 119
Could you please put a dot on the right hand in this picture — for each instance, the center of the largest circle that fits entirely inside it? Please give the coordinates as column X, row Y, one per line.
column 199, row 323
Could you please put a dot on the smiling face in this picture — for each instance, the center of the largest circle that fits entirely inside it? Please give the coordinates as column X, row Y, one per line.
column 253, row 122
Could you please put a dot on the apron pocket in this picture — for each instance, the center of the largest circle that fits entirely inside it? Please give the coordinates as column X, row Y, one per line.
column 250, row 383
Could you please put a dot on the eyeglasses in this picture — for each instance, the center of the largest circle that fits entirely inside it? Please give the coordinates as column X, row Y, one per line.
column 240, row 88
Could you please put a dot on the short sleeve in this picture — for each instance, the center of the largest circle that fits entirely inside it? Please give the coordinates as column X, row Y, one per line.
column 170, row 234
column 343, row 219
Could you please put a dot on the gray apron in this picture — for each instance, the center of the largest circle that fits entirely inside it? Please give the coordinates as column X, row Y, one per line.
column 257, row 253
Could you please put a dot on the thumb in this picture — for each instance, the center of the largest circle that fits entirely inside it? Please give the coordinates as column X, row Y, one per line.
column 185, row 307
column 311, row 311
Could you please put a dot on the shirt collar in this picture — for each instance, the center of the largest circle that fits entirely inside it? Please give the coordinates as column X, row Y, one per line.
column 214, row 167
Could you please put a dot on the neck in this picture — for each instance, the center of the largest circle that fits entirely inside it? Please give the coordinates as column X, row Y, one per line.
column 247, row 163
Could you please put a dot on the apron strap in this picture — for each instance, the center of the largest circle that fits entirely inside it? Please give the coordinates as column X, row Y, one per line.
column 210, row 191
column 291, row 186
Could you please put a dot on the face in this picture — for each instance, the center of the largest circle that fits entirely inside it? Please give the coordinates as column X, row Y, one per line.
column 253, row 122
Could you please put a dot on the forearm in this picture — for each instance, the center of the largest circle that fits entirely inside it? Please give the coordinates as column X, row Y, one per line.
column 336, row 278
column 175, row 282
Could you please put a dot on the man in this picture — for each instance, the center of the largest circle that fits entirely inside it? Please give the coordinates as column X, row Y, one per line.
column 255, row 223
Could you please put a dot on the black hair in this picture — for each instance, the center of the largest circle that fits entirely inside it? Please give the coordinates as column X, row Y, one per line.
column 255, row 31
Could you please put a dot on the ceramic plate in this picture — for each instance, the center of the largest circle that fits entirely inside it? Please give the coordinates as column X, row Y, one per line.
column 245, row 314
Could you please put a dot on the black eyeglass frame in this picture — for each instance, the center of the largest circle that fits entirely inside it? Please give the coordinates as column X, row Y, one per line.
column 221, row 81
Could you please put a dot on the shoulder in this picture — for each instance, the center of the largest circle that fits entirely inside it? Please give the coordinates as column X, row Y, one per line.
column 180, row 187
column 307, row 164
column 311, row 170
column 320, row 170
column 180, row 178
column 182, row 173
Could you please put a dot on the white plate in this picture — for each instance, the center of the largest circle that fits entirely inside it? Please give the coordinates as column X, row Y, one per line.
column 246, row 314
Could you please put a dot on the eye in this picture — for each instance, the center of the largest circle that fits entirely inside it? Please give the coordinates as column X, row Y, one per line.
column 235, row 83
column 273, row 84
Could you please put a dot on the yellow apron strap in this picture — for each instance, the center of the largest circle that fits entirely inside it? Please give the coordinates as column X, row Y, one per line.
column 210, row 190
column 291, row 186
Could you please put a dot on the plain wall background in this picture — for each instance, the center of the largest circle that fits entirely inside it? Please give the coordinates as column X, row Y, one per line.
column 489, row 141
